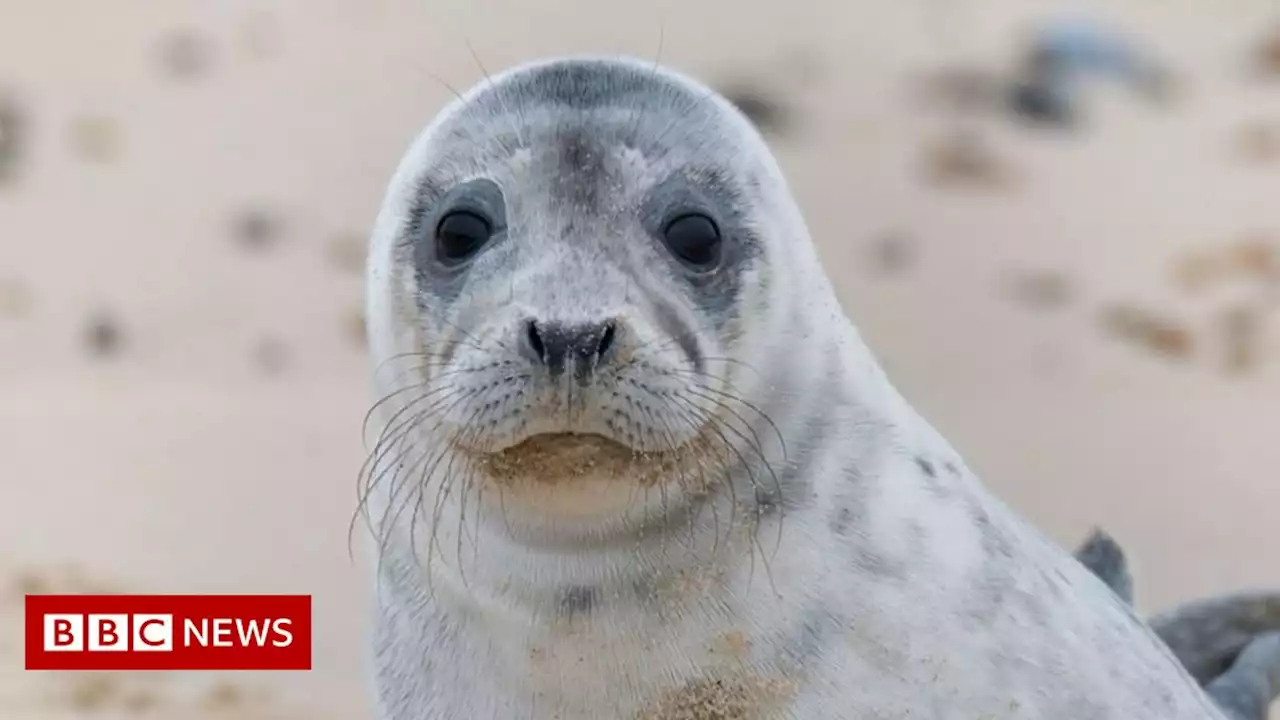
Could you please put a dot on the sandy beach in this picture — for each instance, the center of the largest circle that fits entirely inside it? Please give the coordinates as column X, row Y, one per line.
column 185, row 190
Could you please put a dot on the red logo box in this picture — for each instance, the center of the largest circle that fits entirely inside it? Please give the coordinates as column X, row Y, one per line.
column 168, row 632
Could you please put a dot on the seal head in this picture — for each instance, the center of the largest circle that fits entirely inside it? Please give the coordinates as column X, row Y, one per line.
column 569, row 277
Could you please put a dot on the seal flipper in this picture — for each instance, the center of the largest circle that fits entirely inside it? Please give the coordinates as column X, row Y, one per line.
column 1207, row 635
column 1105, row 558
column 1247, row 689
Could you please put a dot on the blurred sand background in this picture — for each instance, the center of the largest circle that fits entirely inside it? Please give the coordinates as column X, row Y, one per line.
column 185, row 189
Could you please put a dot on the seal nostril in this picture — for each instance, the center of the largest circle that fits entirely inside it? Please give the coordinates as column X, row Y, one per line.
column 606, row 340
column 534, row 340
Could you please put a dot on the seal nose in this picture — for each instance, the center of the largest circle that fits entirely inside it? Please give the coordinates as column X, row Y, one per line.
column 558, row 346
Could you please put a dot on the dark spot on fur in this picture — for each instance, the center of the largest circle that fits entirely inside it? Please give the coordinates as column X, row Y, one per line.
column 841, row 518
column 792, row 479
column 646, row 587
column 818, row 627
column 876, row 563
column 994, row 543
column 577, row 600
column 926, row 467
column 768, row 500
column 994, row 584
column 931, row 480
column 669, row 320
column 583, row 172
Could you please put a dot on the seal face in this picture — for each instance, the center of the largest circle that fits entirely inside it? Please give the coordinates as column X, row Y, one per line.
column 573, row 281
column 634, row 462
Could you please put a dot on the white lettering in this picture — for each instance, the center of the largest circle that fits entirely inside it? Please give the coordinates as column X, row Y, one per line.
column 63, row 632
column 222, row 630
column 200, row 633
column 281, row 626
column 109, row 632
column 251, row 630
column 153, row 633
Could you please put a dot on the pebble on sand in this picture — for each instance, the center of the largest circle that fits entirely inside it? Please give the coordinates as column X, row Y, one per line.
column 964, row 157
column 184, row 54
column 256, row 228
column 271, row 355
column 1260, row 141
column 96, row 138
column 13, row 136
column 892, row 253
column 354, row 326
column 103, row 336
column 1241, row 331
column 1256, row 256
column 1039, row 289
column 1267, row 57
column 1160, row 335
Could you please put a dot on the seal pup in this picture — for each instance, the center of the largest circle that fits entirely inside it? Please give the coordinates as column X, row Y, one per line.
column 634, row 462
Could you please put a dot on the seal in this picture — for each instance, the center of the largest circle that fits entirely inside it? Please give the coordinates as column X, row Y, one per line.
column 633, row 460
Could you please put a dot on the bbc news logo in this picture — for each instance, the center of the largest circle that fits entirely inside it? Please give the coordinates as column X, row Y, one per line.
column 168, row 632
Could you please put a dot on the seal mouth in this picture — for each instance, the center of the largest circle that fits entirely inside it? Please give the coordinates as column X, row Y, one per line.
column 560, row 457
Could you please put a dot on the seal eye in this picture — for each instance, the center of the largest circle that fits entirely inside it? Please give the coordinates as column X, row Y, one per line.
column 695, row 239
column 460, row 234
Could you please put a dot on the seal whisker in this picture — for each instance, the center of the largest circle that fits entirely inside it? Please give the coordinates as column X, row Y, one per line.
column 448, row 481
column 392, row 436
column 409, row 387
column 689, row 487
column 400, row 476
column 709, row 423
column 395, row 425
column 498, row 93
column 643, row 108
column 718, row 423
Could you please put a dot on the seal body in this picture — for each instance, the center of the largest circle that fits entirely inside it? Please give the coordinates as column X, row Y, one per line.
column 634, row 462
